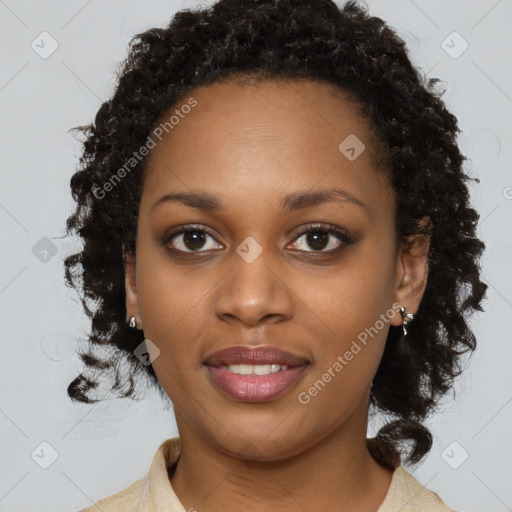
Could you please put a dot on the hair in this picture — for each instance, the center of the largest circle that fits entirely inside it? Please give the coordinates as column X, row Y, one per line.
column 290, row 40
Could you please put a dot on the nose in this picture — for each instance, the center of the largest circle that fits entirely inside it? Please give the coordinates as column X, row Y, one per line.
column 254, row 293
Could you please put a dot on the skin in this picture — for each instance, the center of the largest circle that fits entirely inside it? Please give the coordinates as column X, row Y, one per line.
column 250, row 145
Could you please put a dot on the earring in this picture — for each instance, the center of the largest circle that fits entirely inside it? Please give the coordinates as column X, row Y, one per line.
column 133, row 323
column 407, row 317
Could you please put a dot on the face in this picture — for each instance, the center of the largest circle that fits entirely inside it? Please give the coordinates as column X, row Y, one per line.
column 268, row 262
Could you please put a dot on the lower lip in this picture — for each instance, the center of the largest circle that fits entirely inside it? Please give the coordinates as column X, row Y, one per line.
column 255, row 388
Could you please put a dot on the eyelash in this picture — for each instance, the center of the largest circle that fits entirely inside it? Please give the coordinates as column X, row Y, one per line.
column 342, row 236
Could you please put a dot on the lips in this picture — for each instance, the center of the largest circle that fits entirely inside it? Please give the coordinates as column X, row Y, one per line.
column 254, row 374
column 254, row 355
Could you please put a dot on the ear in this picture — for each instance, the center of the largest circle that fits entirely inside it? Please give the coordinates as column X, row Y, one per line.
column 132, row 304
column 411, row 273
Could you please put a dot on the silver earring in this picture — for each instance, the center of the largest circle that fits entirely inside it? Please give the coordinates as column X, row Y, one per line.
column 407, row 317
column 133, row 323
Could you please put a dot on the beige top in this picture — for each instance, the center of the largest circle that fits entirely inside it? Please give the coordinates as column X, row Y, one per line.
column 154, row 493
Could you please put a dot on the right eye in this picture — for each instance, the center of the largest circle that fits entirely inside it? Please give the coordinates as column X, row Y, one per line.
column 190, row 239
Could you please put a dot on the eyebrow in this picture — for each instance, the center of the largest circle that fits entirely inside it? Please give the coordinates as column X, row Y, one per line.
column 294, row 201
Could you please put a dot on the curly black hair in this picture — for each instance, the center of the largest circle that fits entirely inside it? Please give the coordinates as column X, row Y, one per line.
column 290, row 40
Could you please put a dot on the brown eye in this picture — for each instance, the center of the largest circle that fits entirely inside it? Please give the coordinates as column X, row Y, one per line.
column 194, row 240
column 317, row 240
column 191, row 240
column 321, row 239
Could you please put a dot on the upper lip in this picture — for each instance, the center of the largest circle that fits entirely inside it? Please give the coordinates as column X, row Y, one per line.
column 262, row 354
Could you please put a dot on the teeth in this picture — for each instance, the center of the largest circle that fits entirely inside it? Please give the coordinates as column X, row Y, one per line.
column 254, row 369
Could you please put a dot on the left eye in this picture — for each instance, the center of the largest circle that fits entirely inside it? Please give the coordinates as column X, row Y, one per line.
column 318, row 239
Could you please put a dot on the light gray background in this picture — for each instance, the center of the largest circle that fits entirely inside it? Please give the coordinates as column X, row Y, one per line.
column 105, row 447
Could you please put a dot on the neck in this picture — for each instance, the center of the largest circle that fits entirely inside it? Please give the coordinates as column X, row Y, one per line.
column 337, row 470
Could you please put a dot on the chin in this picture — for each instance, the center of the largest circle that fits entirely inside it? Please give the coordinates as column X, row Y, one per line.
column 258, row 444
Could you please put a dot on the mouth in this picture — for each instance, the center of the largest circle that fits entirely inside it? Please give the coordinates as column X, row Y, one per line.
column 254, row 374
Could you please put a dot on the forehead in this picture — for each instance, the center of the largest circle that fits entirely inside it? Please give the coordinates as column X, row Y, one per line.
column 268, row 137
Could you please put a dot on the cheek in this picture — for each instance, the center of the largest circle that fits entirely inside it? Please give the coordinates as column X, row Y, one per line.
column 349, row 343
column 349, row 299
column 174, row 305
column 349, row 312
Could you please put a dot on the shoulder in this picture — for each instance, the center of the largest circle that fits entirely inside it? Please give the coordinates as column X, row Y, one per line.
column 127, row 500
column 408, row 495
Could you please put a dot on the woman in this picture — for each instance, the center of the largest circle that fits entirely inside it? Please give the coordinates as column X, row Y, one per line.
column 278, row 233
